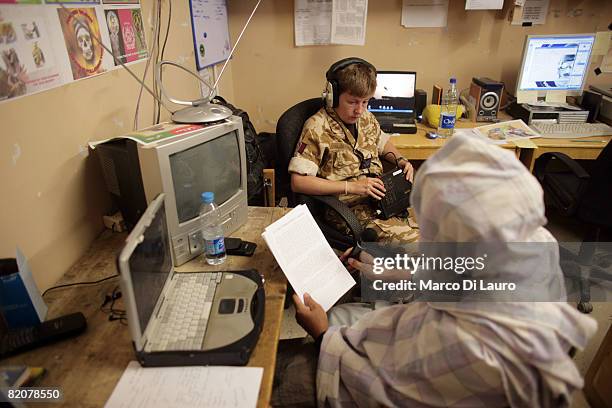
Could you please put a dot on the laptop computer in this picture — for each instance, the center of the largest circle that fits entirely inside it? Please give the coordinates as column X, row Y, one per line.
column 393, row 103
column 176, row 319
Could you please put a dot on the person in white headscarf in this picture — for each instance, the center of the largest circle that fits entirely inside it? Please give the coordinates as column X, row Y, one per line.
column 466, row 353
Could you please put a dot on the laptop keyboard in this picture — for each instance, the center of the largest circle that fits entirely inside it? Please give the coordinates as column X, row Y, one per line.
column 184, row 315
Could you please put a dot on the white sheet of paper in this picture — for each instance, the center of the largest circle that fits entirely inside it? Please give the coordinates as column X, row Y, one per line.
column 484, row 4
column 349, row 22
column 194, row 386
column 534, row 12
column 526, row 96
column 309, row 263
column 312, row 22
column 424, row 13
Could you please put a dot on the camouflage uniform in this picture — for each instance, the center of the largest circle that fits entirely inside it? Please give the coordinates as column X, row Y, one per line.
column 327, row 149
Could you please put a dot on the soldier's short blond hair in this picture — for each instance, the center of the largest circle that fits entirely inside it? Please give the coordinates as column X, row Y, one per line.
column 357, row 79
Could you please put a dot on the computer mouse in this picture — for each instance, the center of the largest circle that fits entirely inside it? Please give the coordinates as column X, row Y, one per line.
column 431, row 135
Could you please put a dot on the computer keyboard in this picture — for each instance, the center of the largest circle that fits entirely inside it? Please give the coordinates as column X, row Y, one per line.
column 184, row 316
column 571, row 130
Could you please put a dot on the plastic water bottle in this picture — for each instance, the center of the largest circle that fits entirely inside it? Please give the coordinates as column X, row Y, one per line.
column 212, row 232
column 448, row 110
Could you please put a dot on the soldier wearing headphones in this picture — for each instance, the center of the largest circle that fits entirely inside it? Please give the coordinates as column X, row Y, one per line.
column 341, row 148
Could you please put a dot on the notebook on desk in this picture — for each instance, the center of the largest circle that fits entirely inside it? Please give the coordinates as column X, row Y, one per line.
column 393, row 103
column 201, row 318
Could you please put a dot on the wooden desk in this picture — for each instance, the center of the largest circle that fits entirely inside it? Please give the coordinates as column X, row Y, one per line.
column 418, row 147
column 587, row 148
column 88, row 367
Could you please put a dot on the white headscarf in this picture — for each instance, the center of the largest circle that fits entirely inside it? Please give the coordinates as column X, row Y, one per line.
column 465, row 353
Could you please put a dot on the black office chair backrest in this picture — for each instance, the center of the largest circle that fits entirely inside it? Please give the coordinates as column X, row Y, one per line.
column 288, row 131
column 596, row 203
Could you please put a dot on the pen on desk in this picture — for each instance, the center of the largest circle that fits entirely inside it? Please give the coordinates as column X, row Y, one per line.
column 589, row 141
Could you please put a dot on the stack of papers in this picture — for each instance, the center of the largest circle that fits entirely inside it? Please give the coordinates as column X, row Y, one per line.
column 309, row 263
column 194, row 386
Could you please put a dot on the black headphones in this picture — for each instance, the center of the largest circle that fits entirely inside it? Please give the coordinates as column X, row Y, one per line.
column 331, row 93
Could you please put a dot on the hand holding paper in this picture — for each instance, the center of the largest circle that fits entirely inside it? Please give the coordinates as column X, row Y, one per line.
column 307, row 260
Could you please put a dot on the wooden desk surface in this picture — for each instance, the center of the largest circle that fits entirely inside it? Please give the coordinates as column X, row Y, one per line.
column 418, row 147
column 88, row 367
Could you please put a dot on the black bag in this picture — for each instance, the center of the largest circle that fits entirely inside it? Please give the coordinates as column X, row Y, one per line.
column 255, row 158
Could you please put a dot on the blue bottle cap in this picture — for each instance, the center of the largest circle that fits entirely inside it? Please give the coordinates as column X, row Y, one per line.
column 208, row 197
column 453, row 80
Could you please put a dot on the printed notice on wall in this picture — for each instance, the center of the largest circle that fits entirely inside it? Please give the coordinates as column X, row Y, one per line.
column 210, row 32
column 330, row 22
column 532, row 12
column 424, row 13
column 349, row 22
column 484, row 4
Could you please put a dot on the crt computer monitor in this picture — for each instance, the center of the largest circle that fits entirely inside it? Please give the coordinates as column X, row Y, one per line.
column 209, row 158
column 555, row 63
column 394, row 92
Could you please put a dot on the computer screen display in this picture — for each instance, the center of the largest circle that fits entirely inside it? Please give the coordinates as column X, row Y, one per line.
column 555, row 63
column 394, row 92
column 210, row 166
column 150, row 264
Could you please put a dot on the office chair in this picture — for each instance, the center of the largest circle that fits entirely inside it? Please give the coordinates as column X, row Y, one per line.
column 574, row 192
column 288, row 132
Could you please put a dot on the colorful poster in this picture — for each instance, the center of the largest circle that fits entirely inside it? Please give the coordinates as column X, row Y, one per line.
column 85, row 53
column 20, row 1
column 120, row 1
column 126, row 34
column 73, row 1
column 27, row 62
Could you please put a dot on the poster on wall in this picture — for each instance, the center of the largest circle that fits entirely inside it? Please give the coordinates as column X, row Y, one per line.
column 72, row 1
column 210, row 31
column 126, row 34
column 20, row 1
column 120, row 1
column 79, row 26
column 28, row 63
column 43, row 46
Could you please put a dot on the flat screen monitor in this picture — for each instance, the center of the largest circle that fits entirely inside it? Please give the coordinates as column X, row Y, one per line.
column 555, row 63
column 394, row 92
column 192, row 160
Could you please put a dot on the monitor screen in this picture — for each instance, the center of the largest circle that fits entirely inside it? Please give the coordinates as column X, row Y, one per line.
column 555, row 63
column 150, row 264
column 394, row 92
column 210, row 166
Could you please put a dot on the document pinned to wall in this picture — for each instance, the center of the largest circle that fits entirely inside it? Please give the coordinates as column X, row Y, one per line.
column 532, row 12
column 210, row 31
column 326, row 22
column 484, row 4
column 349, row 22
column 307, row 260
column 424, row 13
column 186, row 387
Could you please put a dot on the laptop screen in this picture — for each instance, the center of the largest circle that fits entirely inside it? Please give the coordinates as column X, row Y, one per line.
column 394, row 93
column 150, row 265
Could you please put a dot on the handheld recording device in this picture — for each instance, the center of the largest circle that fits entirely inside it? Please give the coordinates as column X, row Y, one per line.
column 397, row 196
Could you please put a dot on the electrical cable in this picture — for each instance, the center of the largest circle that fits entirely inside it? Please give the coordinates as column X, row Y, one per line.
column 163, row 49
column 113, row 314
column 146, row 70
column 80, row 283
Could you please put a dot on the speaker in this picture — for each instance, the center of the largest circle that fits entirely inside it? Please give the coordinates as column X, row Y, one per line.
column 420, row 101
column 591, row 101
column 486, row 94
column 331, row 93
